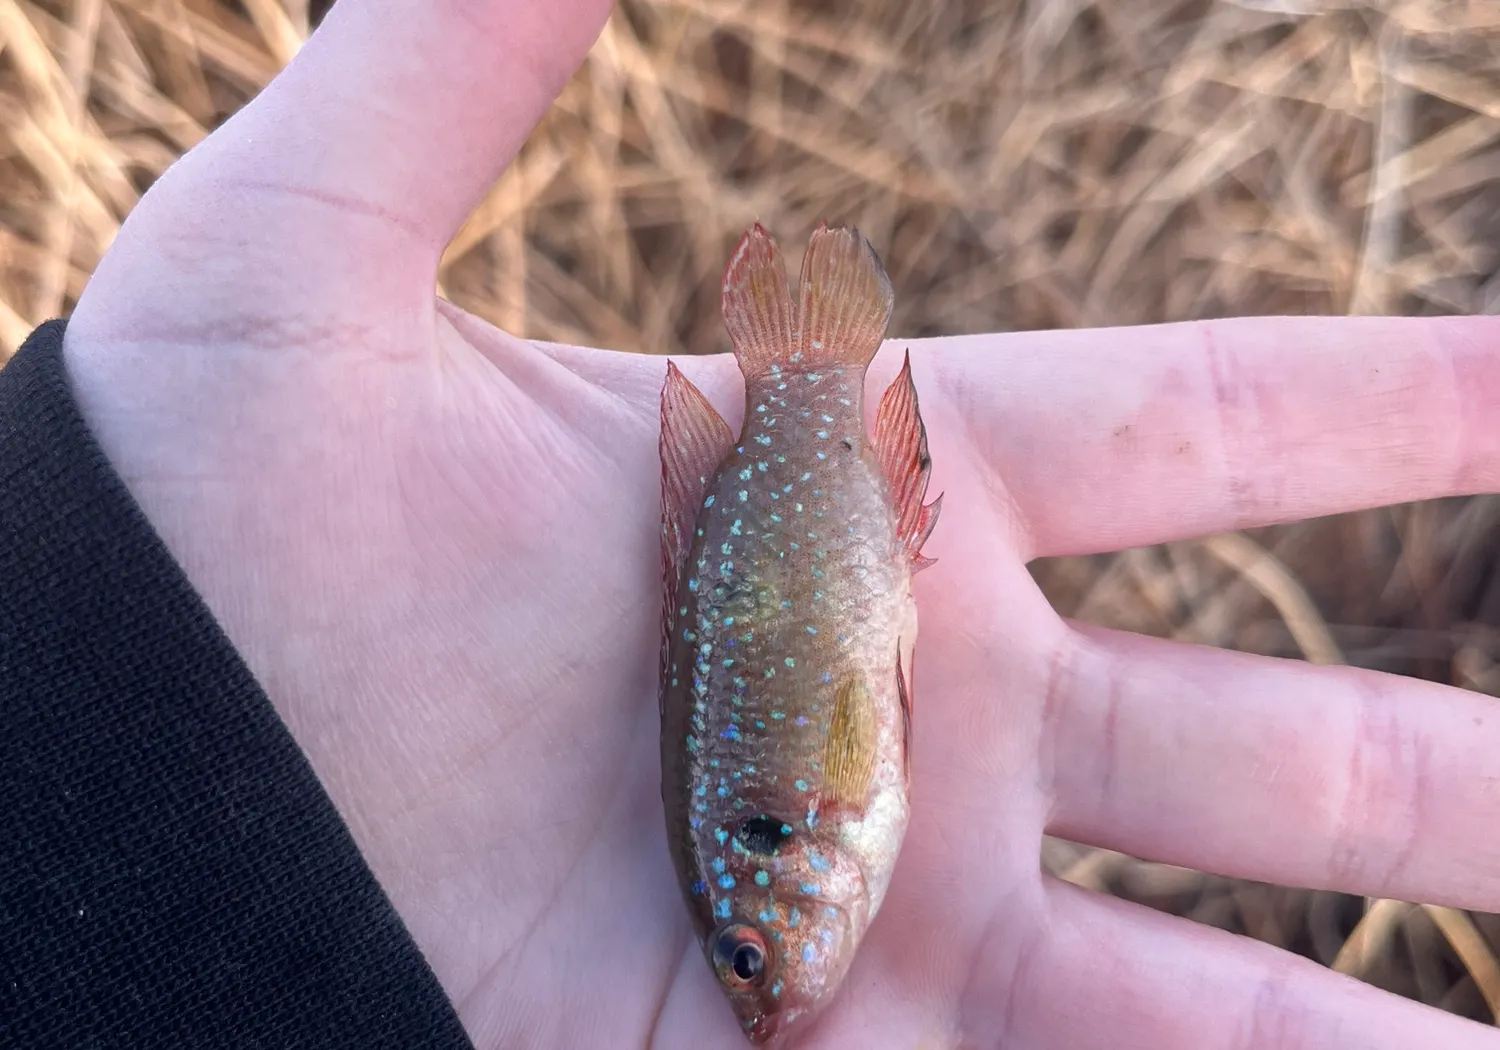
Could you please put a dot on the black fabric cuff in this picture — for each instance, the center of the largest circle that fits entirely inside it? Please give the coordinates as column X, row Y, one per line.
column 172, row 874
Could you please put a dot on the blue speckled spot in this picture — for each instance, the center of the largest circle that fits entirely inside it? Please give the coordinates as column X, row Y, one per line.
column 796, row 546
column 770, row 672
column 779, row 715
column 823, row 435
column 723, row 791
column 729, row 621
column 721, row 909
column 744, row 495
column 718, row 865
column 786, row 603
column 826, row 936
column 808, row 889
column 817, row 861
column 776, row 518
column 811, row 629
column 763, row 439
column 692, row 742
column 731, row 733
column 721, row 835
column 761, row 466
column 701, row 790
column 790, row 661
column 726, row 881
column 780, row 459
column 693, row 586
column 801, row 720
column 700, row 888
column 794, row 920
column 809, row 953
column 734, row 530
column 745, row 474
column 822, row 455
column 709, row 502
column 801, row 785
column 827, row 677
column 729, row 662
column 776, row 990
column 812, row 819
column 786, row 829
column 762, row 878
column 767, row 916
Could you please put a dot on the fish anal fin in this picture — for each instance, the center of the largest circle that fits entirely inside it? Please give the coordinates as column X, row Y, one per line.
column 844, row 300
column 694, row 443
column 758, row 304
column 849, row 755
column 901, row 442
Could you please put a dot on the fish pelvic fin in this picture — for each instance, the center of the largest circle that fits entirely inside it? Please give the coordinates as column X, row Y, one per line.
column 849, row 755
column 695, row 441
column 901, row 441
column 843, row 306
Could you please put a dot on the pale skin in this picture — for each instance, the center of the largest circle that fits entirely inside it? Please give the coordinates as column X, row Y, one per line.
column 435, row 545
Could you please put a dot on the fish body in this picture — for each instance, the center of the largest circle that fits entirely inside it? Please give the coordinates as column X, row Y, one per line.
column 789, row 630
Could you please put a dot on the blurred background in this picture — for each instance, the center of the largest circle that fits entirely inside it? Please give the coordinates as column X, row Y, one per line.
column 1019, row 165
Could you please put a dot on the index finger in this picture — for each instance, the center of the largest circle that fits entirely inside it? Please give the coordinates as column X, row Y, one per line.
column 1125, row 437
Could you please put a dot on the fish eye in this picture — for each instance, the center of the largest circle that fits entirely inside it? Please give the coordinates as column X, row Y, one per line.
column 740, row 955
column 763, row 834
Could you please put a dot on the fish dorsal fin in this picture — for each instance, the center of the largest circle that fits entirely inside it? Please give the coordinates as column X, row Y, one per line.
column 901, row 441
column 843, row 305
column 849, row 755
column 694, row 443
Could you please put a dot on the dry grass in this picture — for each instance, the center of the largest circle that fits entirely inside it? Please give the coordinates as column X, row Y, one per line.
column 1052, row 163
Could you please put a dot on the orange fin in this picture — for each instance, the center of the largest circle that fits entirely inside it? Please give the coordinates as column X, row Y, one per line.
column 849, row 755
column 903, row 693
column 758, row 303
column 843, row 307
column 694, row 443
column 901, row 440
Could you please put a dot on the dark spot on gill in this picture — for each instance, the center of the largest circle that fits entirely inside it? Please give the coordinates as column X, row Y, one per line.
column 763, row 834
column 849, row 445
column 924, row 461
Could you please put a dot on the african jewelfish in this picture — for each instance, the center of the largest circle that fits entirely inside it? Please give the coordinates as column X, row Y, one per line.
column 789, row 629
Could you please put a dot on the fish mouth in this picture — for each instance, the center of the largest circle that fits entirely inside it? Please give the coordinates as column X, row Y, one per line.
column 770, row 1027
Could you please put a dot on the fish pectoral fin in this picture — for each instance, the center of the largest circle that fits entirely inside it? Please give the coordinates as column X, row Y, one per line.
column 849, row 755
column 694, row 443
column 903, row 692
column 901, row 442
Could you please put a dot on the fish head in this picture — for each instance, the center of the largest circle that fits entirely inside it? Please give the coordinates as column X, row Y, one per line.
column 788, row 940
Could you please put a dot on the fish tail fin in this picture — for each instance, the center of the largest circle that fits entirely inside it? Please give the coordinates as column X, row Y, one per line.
column 843, row 308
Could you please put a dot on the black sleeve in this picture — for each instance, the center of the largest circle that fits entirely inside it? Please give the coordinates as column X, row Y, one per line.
column 171, row 872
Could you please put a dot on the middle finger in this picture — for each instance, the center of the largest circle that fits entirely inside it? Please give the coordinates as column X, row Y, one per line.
column 1275, row 770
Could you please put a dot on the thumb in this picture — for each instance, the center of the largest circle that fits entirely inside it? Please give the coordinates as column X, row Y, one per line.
column 390, row 124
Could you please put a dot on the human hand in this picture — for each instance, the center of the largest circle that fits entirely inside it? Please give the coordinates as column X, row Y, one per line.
column 436, row 547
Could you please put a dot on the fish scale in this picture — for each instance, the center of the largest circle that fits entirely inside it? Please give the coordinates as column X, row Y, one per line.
column 788, row 631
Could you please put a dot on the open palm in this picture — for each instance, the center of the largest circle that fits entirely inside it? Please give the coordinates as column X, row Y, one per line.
column 436, row 547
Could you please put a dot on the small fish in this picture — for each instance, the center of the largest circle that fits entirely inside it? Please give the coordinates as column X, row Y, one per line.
column 789, row 629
